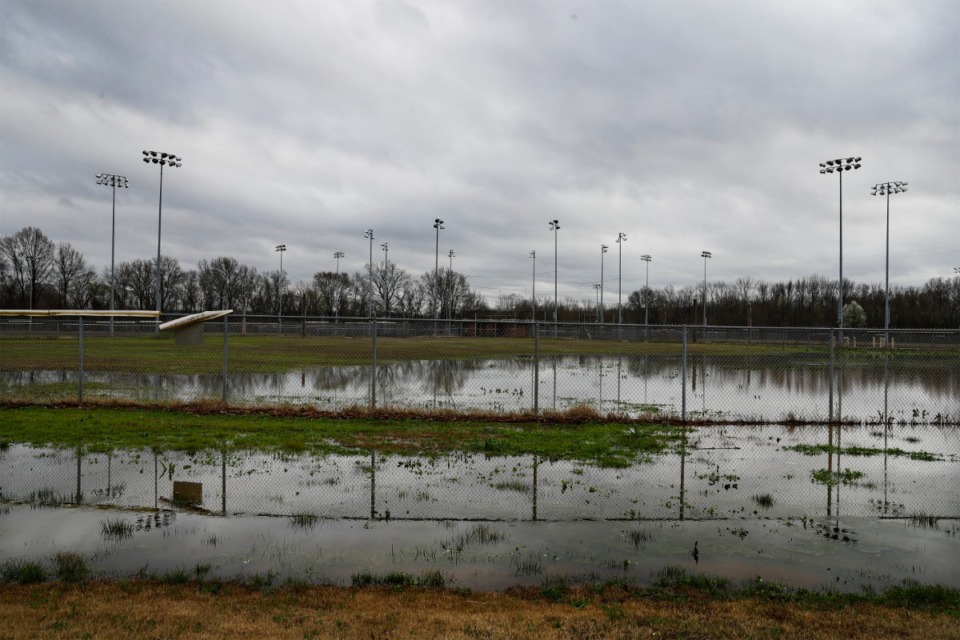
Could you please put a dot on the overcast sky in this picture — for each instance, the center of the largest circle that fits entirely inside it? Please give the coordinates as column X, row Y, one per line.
column 689, row 126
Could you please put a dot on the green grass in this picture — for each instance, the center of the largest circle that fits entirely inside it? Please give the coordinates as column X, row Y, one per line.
column 820, row 449
column 106, row 428
column 272, row 354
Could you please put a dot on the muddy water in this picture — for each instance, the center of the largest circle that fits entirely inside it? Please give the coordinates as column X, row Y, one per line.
column 753, row 505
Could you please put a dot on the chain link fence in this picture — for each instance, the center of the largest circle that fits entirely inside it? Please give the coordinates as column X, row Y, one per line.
column 729, row 472
column 722, row 375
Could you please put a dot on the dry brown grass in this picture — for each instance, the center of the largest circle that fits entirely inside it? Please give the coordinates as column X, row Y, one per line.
column 151, row 610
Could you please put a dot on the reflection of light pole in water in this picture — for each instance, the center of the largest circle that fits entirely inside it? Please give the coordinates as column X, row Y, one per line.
column 885, row 189
column 554, row 383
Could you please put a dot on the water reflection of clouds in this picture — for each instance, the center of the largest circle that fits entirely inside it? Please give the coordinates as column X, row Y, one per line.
column 735, row 387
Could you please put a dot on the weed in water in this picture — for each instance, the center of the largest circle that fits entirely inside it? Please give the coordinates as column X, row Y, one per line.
column 178, row 576
column 527, row 566
column 763, row 500
column 116, row 529
column 71, row 567
column 923, row 521
column 23, row 572
column 639, row 537
column 303, row 521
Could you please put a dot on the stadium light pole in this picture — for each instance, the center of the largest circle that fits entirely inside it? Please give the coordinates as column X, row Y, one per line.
column 369, row 235
column 533, row 298
column 555, row 226
column 437, row 225
column 603, row 251
column 450, row 255
column 114, row 181
column 646, row 291
column 840, row 165
column 336, row 284
column 386, row 254
column 621, row 238
column 885, row 189
column 163, row 159
column 598, row 288
column 705, row 255
column 280, row 248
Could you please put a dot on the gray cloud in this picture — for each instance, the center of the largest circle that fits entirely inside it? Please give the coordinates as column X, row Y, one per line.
column 689, row 126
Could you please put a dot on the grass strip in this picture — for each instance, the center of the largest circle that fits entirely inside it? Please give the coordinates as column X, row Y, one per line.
column 610, row 444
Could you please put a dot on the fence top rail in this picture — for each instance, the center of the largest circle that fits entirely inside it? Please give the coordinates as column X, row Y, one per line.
column 194, row 318
column 45, row 313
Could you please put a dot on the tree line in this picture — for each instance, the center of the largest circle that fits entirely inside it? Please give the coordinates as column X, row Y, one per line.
column 37, row 273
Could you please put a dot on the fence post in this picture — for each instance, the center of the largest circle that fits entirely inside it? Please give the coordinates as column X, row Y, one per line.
column 536, row 369
column 373, row 378
column 80, row 363
column 830, row 375
column 683, row 378
column 223, row 480
column 223, row 394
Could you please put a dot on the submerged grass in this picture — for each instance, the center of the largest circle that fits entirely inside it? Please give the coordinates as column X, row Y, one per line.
column 820, row 449
column 559, row 436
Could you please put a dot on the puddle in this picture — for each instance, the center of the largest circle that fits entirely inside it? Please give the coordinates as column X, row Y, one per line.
column 907, row 390
column 750, row 499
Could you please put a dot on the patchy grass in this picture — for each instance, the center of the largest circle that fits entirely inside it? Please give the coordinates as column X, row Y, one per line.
column 574, row 436
column 833, row 478
column 820, row 449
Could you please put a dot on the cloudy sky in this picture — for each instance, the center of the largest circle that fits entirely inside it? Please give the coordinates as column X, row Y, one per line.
column 688, row 125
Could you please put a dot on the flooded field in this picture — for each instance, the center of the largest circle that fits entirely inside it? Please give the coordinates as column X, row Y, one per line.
column 808, row 506
column 905, row 390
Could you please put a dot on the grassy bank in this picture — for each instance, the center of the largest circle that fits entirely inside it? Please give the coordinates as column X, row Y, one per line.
column 688, row 607
column 572, row 435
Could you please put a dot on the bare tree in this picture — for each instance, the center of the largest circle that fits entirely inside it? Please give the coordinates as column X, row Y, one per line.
column 68, row 264
column 30, row 256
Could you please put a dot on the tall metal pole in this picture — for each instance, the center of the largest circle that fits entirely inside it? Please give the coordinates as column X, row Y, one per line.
column 705, row 255
column 336, row 287
column 840, row 165
column 533, row 298
column 597, row 288
column 386, row 253
column 603, row 251
column 646, row 291
column 369, row 234
column 114, row 181
column 451, row 255
column 437, row 225
column 621, row 238
column 281, row 248
column 554, row 226
column 886, row 188
column 170, row 160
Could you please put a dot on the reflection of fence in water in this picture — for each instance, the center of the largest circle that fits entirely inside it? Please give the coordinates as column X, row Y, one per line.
column 717, row 473
column 814, row 385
